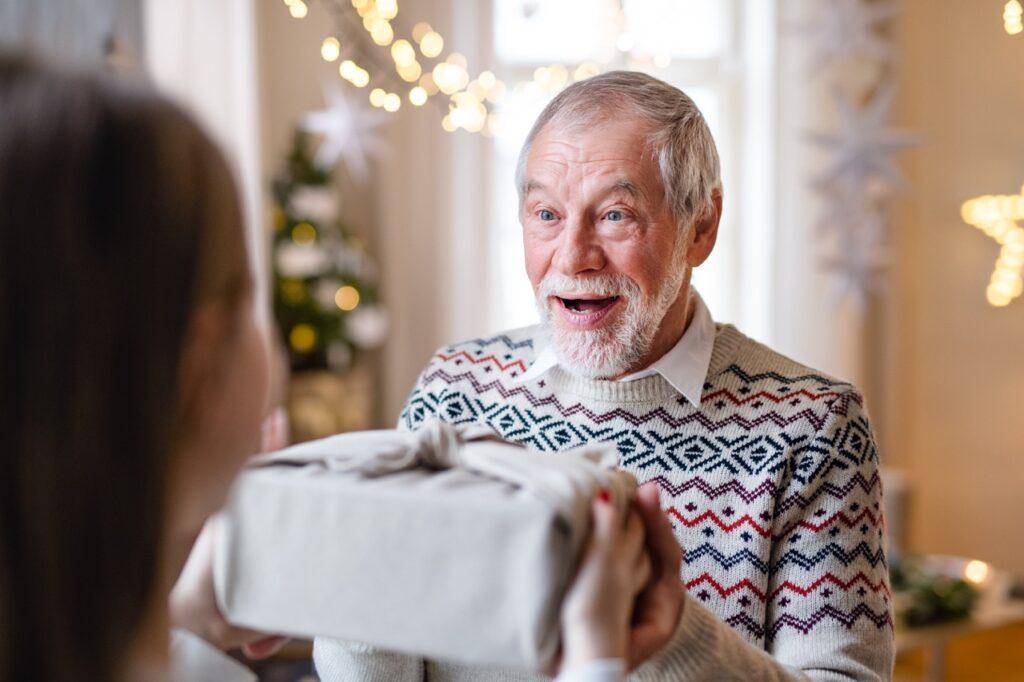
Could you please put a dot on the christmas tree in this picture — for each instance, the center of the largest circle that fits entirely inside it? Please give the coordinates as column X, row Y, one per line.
column 325, row 284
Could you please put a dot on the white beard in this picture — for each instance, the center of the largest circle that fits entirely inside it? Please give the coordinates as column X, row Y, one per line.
column 618, row 346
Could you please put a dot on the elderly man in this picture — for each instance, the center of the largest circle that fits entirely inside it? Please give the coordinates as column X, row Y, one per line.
column 767, row 468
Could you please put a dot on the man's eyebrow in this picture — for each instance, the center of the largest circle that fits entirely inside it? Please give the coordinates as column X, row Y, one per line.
column 629, row 187
column 530, row 186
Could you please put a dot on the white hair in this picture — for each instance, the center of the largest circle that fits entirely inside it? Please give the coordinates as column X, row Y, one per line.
column 680, row 138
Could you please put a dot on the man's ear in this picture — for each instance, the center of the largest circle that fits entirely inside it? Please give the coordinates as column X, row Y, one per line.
column 705, row 232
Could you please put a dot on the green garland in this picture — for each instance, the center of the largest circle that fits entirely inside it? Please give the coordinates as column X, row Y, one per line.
column 926, row 597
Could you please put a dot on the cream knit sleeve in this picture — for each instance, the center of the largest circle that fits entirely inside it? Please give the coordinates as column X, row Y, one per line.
column 340, row 661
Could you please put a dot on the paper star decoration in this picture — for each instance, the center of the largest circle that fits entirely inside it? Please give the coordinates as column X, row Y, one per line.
column 348, row 129
column 848, row 29
column 1002, row 219
column 860, row 257
column 863, row 147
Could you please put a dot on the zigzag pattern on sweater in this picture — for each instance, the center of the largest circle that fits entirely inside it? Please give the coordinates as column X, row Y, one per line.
column 847, row 619
column 827, row 579
column 504, row 339
column 829, row 553
column 767, row 488
column 782, row 379
column 865, row 519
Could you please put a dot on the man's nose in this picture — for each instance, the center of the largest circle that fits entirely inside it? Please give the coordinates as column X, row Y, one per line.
column 579, row 250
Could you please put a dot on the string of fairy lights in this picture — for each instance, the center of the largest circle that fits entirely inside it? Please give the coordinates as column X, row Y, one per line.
column 398, row 66
column 412, row 69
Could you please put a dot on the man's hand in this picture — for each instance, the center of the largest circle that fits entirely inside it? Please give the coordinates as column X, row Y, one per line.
column 193, row 605
column 660, row 606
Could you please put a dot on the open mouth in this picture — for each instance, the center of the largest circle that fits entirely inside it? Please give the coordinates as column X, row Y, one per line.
column 586, row 313
column 588, row 305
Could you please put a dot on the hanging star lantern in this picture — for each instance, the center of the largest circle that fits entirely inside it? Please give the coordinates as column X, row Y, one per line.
column 863, row 147
column 349, row 131
column 860, row 258
column 1002, row 219
column 848, row 30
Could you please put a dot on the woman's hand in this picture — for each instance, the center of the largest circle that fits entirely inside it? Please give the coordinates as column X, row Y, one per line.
column 597, row 610
column 660, row 606
column 193, row 605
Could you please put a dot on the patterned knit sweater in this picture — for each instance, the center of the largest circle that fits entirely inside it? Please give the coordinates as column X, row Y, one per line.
column 772, row 485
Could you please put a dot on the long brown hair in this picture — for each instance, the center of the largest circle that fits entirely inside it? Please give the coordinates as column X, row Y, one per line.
column 117, row 215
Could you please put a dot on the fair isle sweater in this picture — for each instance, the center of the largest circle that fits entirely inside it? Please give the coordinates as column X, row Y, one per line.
column 772, row 486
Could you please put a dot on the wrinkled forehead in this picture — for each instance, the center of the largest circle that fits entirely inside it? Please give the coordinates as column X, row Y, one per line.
column 573, row 155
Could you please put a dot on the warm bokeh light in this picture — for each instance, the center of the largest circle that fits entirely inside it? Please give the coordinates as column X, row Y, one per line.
column 1013, row 17
column 297, row 8
column 411, row 72
column 387, row 8
column 381, row 32
column 418, row 96
column 976, row 571
column 347, row 297
column 486, row 79
column 377, row 97
column 330, row 49
column 403, row 52
column 419, row 30
column 354, row 74
column 428, row 84
column 302, row 338
column 304, row 233
column 431, row 44
column 392, row 102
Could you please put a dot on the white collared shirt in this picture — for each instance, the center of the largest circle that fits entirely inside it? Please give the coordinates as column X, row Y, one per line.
column 684, row 366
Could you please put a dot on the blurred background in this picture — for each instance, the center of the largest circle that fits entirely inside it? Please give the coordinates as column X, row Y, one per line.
column 873, row 161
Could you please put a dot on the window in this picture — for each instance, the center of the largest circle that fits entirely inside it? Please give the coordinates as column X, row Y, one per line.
column 714, row 50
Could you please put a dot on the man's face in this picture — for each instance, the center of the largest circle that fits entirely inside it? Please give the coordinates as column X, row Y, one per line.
column 604, row 253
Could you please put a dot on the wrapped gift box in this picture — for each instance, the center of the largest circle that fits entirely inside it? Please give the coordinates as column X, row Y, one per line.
column 445, row 542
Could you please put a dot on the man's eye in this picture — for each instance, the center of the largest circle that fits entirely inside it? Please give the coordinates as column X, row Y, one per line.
column 546, row 215
column 615, row 216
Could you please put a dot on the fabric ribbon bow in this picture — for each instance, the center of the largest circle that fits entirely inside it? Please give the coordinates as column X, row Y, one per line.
column 561, row 479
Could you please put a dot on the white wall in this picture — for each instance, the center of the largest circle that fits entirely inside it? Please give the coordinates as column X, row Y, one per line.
column 957, row 364
column 204, row 54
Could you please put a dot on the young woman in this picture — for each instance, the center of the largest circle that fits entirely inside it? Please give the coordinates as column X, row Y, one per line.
column 134, row 379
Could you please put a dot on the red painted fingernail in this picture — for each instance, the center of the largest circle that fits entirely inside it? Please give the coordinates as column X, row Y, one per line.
column 604, row 495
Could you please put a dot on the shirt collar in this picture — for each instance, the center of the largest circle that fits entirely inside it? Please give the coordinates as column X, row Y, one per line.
column 684, row 366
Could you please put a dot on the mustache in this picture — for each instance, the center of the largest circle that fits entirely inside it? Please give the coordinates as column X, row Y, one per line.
column 606, row 285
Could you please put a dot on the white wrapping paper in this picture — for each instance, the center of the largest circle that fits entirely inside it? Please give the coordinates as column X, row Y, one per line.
column 445, row 542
